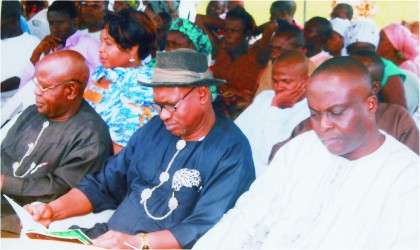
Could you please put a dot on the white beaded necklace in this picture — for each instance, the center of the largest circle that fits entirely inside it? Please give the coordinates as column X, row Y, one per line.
column 164, row 177
column 31, row 146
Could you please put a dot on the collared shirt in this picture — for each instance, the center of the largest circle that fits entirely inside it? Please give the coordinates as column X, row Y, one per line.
column 84, row 44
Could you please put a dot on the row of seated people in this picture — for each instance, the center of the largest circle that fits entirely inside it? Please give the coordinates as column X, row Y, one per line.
column 178, row 87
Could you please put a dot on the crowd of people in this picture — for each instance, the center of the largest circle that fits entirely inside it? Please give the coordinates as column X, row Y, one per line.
column 211, row 131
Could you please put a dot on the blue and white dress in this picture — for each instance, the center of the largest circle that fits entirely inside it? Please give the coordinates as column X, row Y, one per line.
column 124, row 105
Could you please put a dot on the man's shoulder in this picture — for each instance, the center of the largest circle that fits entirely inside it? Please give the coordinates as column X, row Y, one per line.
column 227, row 131
column 396, row 151
column 85, row 39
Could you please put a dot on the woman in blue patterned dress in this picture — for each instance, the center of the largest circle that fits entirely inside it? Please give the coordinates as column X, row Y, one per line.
column 123, row 103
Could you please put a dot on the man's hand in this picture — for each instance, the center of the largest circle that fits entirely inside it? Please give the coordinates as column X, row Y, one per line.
column 1, row 182
column 49, row 42
column 41, row 213
column 115, row 240
column 288, row 98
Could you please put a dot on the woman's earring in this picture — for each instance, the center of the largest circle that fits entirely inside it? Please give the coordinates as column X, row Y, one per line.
column 131, row 60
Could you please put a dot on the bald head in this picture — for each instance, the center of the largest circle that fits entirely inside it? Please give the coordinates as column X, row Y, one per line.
column 294, row 59
column 62, row 77
column 66, row 65
column 348, row 69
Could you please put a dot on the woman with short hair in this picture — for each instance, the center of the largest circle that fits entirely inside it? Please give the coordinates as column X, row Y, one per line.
column 126, row 39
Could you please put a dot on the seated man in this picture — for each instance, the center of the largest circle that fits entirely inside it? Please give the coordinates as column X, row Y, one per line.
column 204, row 156
column 344, row 185
column 317, row 31
column 275, row 113
column 63, row 20
column 16, row 49
column 66, row 138
column 286, row 38
column 391, row 118
column 93, row 14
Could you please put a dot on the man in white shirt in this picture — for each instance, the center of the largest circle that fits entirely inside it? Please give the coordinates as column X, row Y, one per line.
column 16, row 49
column 343, row 185
column 275, row 113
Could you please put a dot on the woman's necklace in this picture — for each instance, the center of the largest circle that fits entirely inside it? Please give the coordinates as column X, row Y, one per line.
column 164, row 177
column 31, row 146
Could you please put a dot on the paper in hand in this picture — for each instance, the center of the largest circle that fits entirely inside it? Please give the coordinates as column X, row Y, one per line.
column 24, row 216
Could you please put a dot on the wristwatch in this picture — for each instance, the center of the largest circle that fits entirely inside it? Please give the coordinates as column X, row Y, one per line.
column 144, row 242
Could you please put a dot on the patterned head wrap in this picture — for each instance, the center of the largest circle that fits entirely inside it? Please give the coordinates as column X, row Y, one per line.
column 199, row 38
column 361, row 31
column 402, row 40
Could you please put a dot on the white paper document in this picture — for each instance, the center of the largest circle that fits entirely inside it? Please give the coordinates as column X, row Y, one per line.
column 24, row 216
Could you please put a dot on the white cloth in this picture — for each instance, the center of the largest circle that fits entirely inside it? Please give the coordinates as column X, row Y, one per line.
column 265, row 125
column 319, row 58
column 309, row 198
column 340, row 25
column 15, row 53
column 411, row 91
column 96, row 34
column 38, row 25
column 362, row 31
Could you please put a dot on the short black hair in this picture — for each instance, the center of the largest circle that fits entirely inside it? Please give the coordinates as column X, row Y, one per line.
column 240, row 13
column 129, row 28
column 348, row 8
column 345, row 65
column 294, row 35
column 11, row 8
column 282, row 6
column 375, row 59
column 324, row 27
column 64, row 7
column 166, row 17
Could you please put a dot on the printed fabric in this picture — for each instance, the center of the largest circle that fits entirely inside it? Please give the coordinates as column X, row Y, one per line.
column 124, row 105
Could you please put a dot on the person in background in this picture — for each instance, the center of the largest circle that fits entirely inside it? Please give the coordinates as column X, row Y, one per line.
column 274, row 113
column 287, row 37
column 16, row 49
column 364, row 34
column 343, row 185
column 217, row 9
column 317, row 32
column 93, row 15
column 34, row 7
column 192, row 158
column 119, row 4
column 117, row 96
column 335, row 45
column 237, row 64
column 163, row 30
column 53, row 143
column 400, row 46
column 343, row 11
column 38, row 23
column 63, row 20
column 393, row 119
column 283, row 10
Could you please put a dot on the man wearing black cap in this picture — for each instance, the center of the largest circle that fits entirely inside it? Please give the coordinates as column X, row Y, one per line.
column 177, row 175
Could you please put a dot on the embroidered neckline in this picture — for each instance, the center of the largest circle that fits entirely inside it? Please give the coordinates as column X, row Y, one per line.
column 31, row 146
column 164, row 177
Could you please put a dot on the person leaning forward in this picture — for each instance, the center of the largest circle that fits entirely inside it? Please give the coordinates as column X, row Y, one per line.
column 178, row 174
column 346, row 184
column 55, row 142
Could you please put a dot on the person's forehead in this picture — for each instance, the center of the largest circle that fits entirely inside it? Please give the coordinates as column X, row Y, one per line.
column 234, row 23
column 288, row 67
column 57, row 15
column 281, row 39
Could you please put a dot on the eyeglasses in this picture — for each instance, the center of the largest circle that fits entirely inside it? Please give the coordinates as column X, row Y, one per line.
column 169, row 107
column 92, row 5
column 36, row 82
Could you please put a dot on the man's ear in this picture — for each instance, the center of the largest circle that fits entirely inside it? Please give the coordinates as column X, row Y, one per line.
column 76, row 22
column 376, row 87
column 305, row 80
column 204, row 94
column 372, row 104
column 72, row 90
